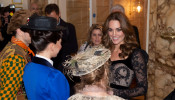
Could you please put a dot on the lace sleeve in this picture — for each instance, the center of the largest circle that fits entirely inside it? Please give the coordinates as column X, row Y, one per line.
column 139, row 60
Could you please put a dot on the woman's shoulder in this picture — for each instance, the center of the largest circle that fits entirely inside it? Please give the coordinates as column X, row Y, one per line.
column 140, row 52
column 45, row 70
column 54, row 72
column 113, row 97
column 83, row 46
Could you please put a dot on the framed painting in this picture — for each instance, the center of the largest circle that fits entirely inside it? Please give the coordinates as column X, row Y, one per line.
column 17, row 8
column 17, row 1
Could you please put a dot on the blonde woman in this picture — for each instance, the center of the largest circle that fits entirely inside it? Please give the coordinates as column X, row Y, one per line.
column 94, row 37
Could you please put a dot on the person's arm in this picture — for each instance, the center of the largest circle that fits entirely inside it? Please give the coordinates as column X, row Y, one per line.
column 58, row 86
column 139, row 63
column 11, row 73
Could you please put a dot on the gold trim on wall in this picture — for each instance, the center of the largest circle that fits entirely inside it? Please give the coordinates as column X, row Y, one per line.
column 17, row 1
column 17, row 8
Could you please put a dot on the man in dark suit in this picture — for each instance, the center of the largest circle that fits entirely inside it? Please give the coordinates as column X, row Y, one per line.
column 69, row 40
column 120, row 8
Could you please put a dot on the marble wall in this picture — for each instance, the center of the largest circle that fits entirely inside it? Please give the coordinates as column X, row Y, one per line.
column 161, row 67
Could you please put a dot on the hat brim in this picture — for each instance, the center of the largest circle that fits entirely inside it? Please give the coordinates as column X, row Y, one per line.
column 86, row 62
column 41, row 29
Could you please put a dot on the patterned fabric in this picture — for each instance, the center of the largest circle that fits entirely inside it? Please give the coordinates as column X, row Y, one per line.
column 87, row 61
column 12, row 61
column 11, row 76
column 79, row 96
column 121, row 75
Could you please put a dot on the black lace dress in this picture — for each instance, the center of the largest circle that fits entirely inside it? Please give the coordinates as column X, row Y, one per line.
column 122, row 73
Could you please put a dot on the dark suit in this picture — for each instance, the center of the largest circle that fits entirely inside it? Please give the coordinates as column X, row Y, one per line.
column 69, row 44
column 137, row 35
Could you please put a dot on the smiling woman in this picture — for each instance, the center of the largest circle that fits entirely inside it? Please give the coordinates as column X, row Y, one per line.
column 127, row 60
column 115, row 32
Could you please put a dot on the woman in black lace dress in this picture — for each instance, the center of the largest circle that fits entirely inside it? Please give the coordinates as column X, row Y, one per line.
column 127, row 61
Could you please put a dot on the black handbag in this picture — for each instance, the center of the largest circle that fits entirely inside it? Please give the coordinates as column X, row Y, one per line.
column 171, row 96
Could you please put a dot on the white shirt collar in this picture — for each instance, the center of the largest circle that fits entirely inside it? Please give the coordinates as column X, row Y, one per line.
column 49, row 60
column 59, row 21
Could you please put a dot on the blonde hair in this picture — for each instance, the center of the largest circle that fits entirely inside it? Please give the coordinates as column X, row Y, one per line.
column 93, row 27
column 19, row 18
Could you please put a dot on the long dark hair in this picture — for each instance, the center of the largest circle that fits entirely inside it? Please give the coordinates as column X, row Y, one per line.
column 40, row 39
column 130, row 39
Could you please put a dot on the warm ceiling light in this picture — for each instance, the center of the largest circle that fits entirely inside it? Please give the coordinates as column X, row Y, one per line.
column 138, row 8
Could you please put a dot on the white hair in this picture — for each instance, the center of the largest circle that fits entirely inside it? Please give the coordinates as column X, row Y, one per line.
column 118, row 7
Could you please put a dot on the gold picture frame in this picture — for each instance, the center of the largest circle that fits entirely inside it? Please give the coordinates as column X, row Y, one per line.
column 17, row 1
column 17, row 8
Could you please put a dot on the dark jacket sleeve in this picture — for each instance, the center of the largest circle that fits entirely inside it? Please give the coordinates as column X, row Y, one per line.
column 137, row 35
column 71, row 45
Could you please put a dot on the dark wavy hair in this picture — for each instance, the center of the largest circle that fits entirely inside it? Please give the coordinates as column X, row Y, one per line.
column 94, row 78
column 130, row 42
column 40, row 39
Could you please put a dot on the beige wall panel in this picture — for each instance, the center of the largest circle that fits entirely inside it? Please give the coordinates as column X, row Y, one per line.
column 74, row 15
column 102, row 13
